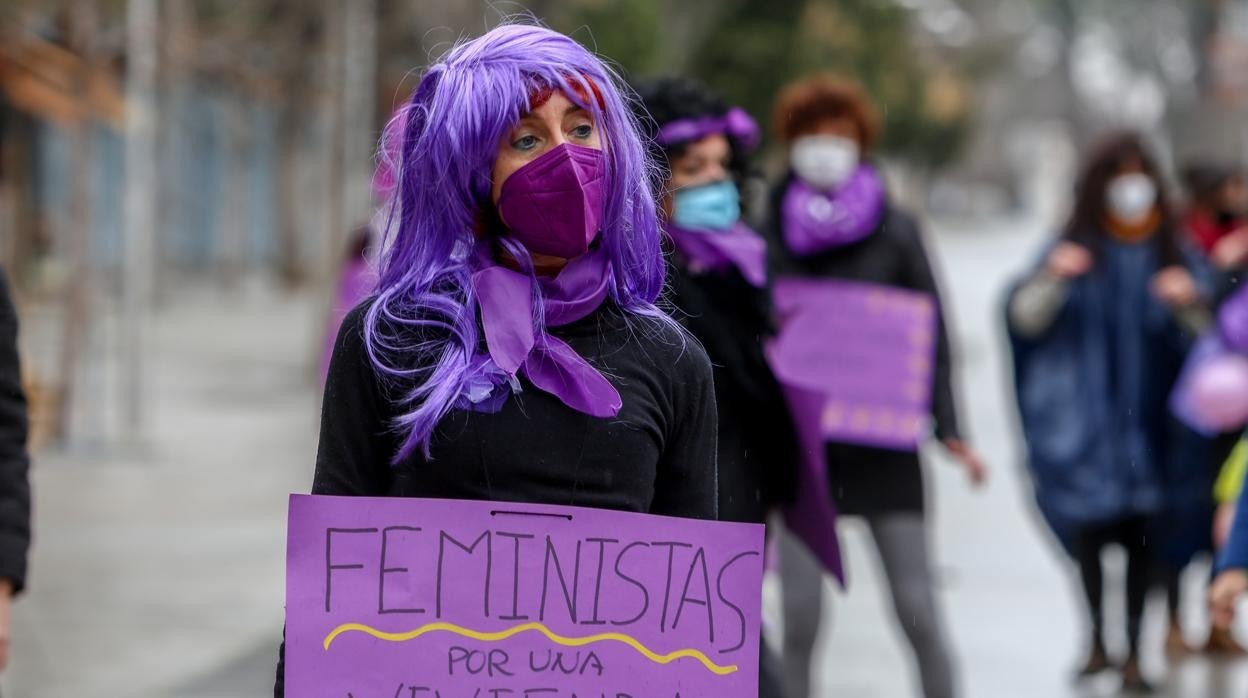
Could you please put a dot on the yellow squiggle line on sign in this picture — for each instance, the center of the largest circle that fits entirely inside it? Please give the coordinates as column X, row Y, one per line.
column 538, row 627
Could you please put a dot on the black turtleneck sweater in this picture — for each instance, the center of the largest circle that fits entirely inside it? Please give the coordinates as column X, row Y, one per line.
column 656, row 456
column 757, row 445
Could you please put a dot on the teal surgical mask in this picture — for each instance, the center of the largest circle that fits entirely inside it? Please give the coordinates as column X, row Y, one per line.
column 715, row 206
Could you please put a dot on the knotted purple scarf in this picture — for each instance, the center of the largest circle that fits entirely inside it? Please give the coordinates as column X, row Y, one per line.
column 816, row 221
column 714, row 250
column 506, row 298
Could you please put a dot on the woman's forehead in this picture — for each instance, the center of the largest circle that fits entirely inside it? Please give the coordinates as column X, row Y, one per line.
column 556, row 104
column 575, row 88
column 710, row 145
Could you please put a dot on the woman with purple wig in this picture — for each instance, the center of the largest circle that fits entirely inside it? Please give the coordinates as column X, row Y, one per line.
column 512, row 351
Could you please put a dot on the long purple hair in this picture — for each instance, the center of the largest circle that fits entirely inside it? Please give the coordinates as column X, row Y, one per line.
column 421, row 330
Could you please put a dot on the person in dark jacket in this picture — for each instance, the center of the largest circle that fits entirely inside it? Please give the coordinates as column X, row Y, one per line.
column 513, row 351
column 718, row 279
column 718, row 282
column 1217, row 210
column 831, row 218
column 1216, row 219
column 1099, row 332
column 1231, row 581
column 14, row 470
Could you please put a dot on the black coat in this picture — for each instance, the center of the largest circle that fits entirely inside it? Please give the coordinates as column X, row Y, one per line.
column 14, row 463
column 757, row 445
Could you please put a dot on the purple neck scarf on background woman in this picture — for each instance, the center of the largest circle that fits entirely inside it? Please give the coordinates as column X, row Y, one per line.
column 816, row 221
column 715, row 250
column 505, row 298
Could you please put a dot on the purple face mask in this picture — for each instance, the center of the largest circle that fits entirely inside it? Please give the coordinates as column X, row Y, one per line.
column 553, row 204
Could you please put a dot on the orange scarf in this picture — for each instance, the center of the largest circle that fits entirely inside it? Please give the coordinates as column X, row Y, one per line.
column 1134, row 231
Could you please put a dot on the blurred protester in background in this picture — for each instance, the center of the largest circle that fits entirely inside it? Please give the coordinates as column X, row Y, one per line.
column 1229, row 487
column 718, row 278
column 1217, row 217
column 719, row 285
column 357, row 278
column 1232, row 579
column 1099, row 331
column 830, row 217
column 1231, row 407
column 524, row 260
column 14, row 471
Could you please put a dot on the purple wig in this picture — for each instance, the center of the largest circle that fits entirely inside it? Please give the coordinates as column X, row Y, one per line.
column 421, row 331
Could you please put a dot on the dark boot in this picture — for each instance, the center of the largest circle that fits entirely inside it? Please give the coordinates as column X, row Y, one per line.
column 1098, row 661
column 1133, row 678
column 1222, row 643
column 1176, row 646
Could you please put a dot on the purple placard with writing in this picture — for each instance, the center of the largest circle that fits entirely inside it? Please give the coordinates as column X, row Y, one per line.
column 428, row 598
column 868, row 349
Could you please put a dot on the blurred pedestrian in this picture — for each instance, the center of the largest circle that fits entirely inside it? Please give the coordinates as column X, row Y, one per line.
column 1216, row 218
column 1232, row 579
column 831, row 218
column 14, row 472
column 513, row 350
column 1099, row 331
column 357, row 279
column 1217, row 214
column 718, row 283
column 1227, row 490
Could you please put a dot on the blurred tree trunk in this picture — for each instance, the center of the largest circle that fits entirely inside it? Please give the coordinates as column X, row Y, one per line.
column 1066, row 15
column 687, row 25
column 1205, row 17
column 82, row 19
column 235, row 217
column 17, row 185
column 139, row 215
column 359, row 116
column 177, row 74
column 334, row 108
column 289, row 253
column 300, row 33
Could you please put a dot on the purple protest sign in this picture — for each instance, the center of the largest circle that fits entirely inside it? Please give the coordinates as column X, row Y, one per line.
column 424, row 598
column 868, row 349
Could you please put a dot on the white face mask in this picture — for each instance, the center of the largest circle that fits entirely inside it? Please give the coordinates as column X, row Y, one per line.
column 1131, row 197
column 824, row 162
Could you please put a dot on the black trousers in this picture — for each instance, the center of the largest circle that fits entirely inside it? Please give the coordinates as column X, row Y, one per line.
column 1131, row 534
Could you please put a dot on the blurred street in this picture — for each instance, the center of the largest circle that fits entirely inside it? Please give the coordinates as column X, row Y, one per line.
column 145, row 610
column 192, row 191
column 194, row 607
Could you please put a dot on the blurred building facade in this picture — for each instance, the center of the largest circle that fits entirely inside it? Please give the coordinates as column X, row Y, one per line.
column 264, row 116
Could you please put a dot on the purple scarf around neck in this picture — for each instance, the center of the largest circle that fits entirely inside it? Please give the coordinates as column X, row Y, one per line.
column 714, row 250
column 505, row 298
column 816, row 221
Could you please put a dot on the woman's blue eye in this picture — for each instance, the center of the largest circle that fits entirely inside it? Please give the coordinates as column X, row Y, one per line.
column 583, row 131
column 525, row 143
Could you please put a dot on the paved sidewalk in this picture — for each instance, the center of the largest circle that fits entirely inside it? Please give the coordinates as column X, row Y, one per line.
column 160, row 573
column 153, row 568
